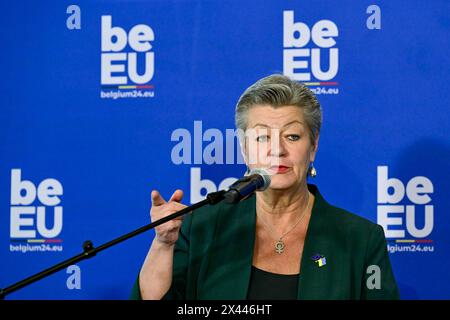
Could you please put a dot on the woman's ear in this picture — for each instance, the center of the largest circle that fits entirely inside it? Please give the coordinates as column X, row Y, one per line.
column 314, row 148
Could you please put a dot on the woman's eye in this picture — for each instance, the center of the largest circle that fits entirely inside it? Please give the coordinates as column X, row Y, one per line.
column 293, row 137
column 262, row 138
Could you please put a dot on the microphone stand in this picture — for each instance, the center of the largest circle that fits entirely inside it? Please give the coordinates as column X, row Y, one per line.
column 90, row 251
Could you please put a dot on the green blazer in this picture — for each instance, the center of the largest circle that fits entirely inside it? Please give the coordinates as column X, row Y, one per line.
column 213, row 255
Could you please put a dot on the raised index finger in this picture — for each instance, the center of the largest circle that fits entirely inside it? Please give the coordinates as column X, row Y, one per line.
column 177, row 196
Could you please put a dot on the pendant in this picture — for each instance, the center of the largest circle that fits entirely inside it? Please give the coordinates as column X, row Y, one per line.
column 279, row 246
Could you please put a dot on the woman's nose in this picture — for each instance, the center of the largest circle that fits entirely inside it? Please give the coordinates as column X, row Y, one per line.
column 277, row 147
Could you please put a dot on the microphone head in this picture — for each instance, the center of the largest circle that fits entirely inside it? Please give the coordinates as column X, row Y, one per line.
column 265, row 178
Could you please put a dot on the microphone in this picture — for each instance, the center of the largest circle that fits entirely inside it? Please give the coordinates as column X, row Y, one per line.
column 256, row 180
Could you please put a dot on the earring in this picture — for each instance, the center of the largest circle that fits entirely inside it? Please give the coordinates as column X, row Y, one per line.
column 312, row 171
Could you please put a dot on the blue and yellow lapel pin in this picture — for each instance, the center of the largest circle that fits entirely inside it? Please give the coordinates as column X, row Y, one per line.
column 319, row 259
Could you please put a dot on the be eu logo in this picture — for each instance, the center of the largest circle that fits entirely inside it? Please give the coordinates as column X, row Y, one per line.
column 405, row 211
column 310, row 54
column 36, row 214
column 127, row 60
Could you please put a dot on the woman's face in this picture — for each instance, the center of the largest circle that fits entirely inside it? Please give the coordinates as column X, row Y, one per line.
column 278, row 140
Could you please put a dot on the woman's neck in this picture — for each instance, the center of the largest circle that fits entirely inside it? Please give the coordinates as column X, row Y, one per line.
column 283, row 202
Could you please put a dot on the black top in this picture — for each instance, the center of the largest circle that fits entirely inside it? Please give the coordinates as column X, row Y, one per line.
column 272, row 286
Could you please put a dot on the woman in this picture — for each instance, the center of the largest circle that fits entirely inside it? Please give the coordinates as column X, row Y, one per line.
column 285, row 242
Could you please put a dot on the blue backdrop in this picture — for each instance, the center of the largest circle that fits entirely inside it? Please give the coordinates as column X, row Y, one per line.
column 95, row 93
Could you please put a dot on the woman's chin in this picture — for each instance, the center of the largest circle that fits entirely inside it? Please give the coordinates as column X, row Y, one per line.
column 283, row 182
column 281, row 185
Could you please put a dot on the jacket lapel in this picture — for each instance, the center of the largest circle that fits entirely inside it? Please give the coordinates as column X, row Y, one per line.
column 318, row 256
column 227, row 272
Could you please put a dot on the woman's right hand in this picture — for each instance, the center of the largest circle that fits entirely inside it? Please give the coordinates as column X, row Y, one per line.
column 166, row 233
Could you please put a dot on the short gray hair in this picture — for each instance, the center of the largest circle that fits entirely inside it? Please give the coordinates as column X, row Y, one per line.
column 276, row 91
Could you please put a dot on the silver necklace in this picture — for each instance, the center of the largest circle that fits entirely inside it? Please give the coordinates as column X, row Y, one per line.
column 279, row 244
